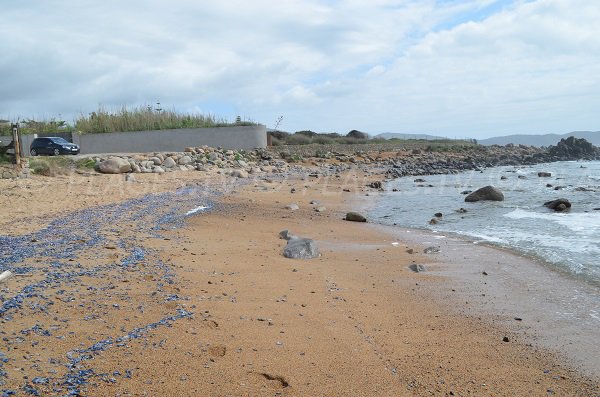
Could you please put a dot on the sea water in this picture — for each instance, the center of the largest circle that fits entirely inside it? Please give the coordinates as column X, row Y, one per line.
column 568, row 242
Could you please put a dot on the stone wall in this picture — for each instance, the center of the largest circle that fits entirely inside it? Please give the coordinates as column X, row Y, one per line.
column 9, row 171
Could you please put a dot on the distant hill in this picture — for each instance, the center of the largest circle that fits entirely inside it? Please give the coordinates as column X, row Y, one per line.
column 391, row 135
column 541, row 140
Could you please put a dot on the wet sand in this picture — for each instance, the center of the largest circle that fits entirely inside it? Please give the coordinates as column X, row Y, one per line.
column 212, row 308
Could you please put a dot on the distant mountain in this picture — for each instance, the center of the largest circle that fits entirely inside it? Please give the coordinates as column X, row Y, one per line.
column 391, row 135
column 541, row 140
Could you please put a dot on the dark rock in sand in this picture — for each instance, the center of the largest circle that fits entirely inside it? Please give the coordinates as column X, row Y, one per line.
column 433, row 221
column 558, row 205
column 438, row 214
column 417, row 268
column 485, row 193
column 544, row 174
column 503, row 177
column 431, row 250
column 461, row 210
column 419, row 180
column 355, row 217
column 285, row 234
column 466, row 192
column 375, row 185
column 300, row 248
column 522, row 177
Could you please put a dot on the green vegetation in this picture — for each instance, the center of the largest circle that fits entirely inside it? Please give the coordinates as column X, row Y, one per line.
column 5, row 159
column 37, row 127
column 124, row 119
column 56, row 165
column 145, row 119
column 86, row 163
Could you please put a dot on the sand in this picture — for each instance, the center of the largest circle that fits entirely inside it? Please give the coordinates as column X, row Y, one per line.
column 355, row 321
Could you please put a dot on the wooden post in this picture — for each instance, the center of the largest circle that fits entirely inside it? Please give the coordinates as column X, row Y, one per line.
column 17, row 143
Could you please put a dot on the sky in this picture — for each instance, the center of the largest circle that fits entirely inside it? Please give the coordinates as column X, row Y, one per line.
column 455, row 68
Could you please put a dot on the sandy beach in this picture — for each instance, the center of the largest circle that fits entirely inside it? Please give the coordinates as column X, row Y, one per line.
column 206, row 304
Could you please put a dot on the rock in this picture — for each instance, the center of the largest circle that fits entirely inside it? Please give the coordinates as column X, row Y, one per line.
column 185, row 160
column 410, row 251
column 155, row 160
column 431, row 250
column 292, row 207
column 239, row 174
column 355, row 217
column 503, row 177
column 544, row 174
column 320, row 209
column 300, row 248
column 190, row 150
column 285, row 235
column 375, row 185
column 466, row 192
column 438, row 215
column 489, row 193
column 572, row 148
column 169, row 163
column 114, row 165
column 158, row 170
column 419, row 180
column 461, row 211
column 505, row 339
column 130, row 178
column 314, row 202
column 558, row 205
column 522, row 177
column 417, row 268
column 433, row 221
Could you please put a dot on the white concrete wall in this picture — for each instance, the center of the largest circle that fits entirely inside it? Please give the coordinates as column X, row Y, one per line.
column 243, row 137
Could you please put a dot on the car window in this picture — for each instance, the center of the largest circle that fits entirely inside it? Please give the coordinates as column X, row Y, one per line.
column 60, row 141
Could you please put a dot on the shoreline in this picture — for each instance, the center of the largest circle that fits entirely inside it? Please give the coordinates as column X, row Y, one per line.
column 350, row 322
column 576, row 342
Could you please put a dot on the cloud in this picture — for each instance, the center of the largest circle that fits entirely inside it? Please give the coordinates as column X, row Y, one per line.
column 472, row 67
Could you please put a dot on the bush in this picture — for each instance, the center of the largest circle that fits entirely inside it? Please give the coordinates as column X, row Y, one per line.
column 298, row 139
column 41, row 167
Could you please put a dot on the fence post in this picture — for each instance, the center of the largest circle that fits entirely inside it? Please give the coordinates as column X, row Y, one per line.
column 17, row 144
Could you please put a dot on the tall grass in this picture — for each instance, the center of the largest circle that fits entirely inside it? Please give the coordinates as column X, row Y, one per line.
column 145, row 119
column 37, row 127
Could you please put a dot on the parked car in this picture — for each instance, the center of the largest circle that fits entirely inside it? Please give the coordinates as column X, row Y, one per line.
column 52, row 146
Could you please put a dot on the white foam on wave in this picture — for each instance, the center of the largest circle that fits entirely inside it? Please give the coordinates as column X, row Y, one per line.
column 197, row 209
column 586, row 224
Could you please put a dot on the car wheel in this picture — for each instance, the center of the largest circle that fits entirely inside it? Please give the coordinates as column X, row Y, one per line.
column 33, row 152
column 56, row 152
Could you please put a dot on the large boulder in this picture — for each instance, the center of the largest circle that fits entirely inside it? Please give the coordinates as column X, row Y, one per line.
column 355, row 217
column 489, row 193
column 300, row 248
column 558, row 205
column 169, row 163
column 114, row 165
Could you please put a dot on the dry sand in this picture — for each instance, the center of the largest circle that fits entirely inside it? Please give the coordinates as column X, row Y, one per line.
column 353, row 322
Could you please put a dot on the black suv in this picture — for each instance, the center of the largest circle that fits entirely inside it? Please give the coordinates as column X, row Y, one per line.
column 53, row 146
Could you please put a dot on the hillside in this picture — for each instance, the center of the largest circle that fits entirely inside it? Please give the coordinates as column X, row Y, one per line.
column 541, row 140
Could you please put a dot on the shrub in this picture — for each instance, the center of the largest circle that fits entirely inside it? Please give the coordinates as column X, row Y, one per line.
column 41, row 167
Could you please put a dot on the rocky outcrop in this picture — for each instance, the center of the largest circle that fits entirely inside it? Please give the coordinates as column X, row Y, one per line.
column 572, row 148
column 488, row 193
